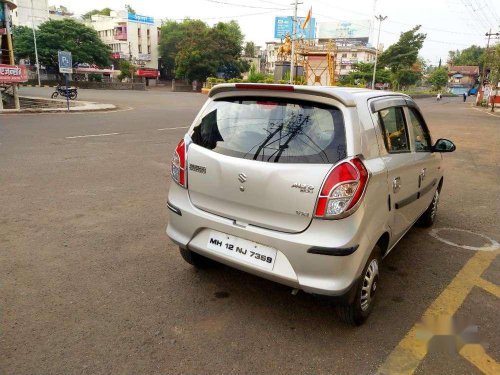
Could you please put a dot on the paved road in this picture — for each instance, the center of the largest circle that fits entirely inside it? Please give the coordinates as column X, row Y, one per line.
column 90, row 284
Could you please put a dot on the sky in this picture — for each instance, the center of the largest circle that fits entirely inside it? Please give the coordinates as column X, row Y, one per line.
column 449, row 24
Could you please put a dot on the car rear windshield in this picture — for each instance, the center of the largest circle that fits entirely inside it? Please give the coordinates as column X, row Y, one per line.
column 272, row 130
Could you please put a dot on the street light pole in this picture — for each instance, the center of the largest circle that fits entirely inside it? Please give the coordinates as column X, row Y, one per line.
column 36, row 50
column 379, row 18
column 294, row 34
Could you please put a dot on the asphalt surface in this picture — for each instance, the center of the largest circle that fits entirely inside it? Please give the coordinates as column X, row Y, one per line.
column 90, row 284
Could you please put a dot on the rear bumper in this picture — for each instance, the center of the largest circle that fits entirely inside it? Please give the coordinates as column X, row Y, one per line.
column 325, row 270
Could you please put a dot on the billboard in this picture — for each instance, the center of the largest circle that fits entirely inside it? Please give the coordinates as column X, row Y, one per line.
column 284, row 25
column 13, row 73
column 344, row 30
column 141, row 19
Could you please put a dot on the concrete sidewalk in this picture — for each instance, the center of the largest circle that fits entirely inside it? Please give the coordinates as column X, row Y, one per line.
column 75, row 106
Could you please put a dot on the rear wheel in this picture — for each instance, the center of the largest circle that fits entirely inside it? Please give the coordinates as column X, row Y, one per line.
column 357, row 311
column 195, row 259
column 429, row 216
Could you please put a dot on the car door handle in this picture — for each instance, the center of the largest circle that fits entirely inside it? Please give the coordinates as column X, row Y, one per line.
column 421, row 177
column 396, row 184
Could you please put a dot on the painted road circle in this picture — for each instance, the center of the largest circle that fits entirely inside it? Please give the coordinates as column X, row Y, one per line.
column 489, row 243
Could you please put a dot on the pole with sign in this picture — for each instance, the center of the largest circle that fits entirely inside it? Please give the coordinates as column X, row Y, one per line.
column 65, row 66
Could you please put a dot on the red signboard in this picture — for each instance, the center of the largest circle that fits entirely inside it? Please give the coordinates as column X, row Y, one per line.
column 150, row 73
column 13, row 73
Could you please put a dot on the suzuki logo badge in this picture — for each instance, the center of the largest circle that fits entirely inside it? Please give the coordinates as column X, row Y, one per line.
column 242, row 177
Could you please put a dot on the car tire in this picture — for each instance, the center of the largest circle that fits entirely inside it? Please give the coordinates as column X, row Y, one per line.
column 54, row 95
column 356, row 312
column 429, row 216
column 195, row 259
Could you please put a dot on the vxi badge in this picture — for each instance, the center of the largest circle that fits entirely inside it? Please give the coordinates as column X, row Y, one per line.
column 304, row 188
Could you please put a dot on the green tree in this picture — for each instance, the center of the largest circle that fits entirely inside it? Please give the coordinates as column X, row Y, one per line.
column 363, row 72
column 127, row 69
column 402, row 58
column 439, row 78
column 103, row 12
column 68, row 35
column 196, row 51
column 472, row 56
column 173, row 36
column 129, row 9
column 250, row 49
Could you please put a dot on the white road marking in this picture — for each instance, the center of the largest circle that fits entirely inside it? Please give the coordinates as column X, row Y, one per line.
column 494, row 245
column 180, row 127
column 91, row 135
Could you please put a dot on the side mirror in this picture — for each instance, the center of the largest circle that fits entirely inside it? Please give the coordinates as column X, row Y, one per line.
column 443, row 145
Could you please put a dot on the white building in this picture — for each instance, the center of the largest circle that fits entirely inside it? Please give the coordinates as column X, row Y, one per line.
column 346, row 56
column 60, row 13
column 271, row 56
column 131, row 37
column 26, row 10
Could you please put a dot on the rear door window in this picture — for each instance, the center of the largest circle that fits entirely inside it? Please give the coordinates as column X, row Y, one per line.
column 394, row 128
column 272, row 130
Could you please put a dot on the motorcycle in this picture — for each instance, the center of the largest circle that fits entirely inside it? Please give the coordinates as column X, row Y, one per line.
column 70, row 92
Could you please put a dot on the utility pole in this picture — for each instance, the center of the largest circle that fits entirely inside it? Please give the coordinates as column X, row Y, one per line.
column 34, row 40
column 294, row 36
column 379, row 18
column 483, row 72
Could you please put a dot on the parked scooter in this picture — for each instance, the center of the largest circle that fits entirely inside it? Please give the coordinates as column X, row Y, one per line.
column 70, row 92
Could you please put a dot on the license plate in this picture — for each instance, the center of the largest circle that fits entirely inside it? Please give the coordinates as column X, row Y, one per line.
column 247, row 251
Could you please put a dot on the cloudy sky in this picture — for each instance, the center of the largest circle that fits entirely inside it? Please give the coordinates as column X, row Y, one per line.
column 449, row 24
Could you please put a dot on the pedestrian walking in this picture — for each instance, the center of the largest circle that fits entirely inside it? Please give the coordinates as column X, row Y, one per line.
column 438, row 97
column 465, row 96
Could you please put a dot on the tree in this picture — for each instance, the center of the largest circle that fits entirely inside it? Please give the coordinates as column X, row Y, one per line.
column 103, row 12
column 250, row 49
column 363, row 72
column 196, row 51
column 173, row 35
column 65, row 35
column 402, row 58
column 129, row 9
column 439, row 78
column 127, row 69
column 472, row 56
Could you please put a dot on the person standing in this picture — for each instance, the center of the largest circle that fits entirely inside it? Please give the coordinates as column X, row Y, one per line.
column 465, row 96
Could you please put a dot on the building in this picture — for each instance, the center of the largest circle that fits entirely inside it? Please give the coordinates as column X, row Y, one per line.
column 271, row 56
column 131, row 37
column 59, row 13
column 28, row 10
column 462, row 78
column 346, row 56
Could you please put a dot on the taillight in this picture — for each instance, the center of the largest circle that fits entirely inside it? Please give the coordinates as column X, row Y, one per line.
column 342, row 189
column 179, row 164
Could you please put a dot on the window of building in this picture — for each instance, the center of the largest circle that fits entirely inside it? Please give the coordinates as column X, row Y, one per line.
column 354, row 55
column 393, row 125
column 343, row 67
column 149, row 49
column 139, row 47
column 344, row 55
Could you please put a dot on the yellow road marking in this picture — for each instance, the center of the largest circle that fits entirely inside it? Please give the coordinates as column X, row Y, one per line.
column 476, row 355
column 412, row 349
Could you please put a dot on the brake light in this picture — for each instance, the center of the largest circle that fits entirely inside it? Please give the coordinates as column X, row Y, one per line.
column 179, row 164
column 342, row 190
column 256, row 86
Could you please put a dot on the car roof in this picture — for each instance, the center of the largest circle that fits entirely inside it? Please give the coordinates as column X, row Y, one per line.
column 348, row 96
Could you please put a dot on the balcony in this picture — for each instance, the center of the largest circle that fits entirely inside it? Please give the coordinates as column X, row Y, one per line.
column 120, row 33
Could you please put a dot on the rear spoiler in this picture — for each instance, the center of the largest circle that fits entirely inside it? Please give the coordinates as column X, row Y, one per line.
column 343, row 97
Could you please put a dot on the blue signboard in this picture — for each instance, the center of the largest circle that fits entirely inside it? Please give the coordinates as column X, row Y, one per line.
column 65, row 62
column 141, row 19
column 284, row 25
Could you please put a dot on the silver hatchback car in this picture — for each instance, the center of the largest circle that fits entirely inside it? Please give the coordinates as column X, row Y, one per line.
column 306, row 186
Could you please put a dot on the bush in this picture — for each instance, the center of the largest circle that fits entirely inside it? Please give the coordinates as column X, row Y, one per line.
column 95, row 77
